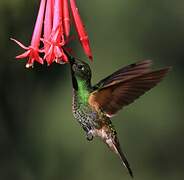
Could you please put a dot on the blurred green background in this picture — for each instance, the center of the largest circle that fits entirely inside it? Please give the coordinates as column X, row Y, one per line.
column 39, row 139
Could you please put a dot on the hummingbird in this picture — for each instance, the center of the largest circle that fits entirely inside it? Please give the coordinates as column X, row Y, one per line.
column 93, row 106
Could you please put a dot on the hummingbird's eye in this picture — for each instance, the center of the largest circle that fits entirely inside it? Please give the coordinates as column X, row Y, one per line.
column 81, row 67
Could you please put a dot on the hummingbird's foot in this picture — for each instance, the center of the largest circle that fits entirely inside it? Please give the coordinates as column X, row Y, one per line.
column 89, row 136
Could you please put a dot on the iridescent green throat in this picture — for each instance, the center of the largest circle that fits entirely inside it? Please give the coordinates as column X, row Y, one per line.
column 83, row 90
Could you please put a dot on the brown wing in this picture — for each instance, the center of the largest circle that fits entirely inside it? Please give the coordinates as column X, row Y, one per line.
column 113, row 97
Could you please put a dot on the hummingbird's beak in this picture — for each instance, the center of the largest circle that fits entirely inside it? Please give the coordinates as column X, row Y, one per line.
column 71, row 59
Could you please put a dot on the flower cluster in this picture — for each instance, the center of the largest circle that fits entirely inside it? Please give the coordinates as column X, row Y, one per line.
column 52, row 33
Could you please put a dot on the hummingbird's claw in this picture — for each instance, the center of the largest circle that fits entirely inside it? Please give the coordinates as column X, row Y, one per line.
column 89, row 136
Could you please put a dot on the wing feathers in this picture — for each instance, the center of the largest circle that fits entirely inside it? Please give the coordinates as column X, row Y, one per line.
column 113, row 96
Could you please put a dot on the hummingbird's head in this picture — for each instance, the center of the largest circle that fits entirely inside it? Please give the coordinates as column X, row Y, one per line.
column 80, row 72
column 80, row 69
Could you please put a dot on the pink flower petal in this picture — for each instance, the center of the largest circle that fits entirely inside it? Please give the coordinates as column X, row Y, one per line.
column 20, row 44
column 23, row 55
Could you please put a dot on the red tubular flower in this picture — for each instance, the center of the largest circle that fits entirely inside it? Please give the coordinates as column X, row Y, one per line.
column 48, row 23
column 33, row 50
column 54, row 52
column 83, row 37
column 66, row 18
column 56, row 31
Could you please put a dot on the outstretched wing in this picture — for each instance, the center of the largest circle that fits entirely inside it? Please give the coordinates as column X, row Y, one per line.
column 124, row 86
